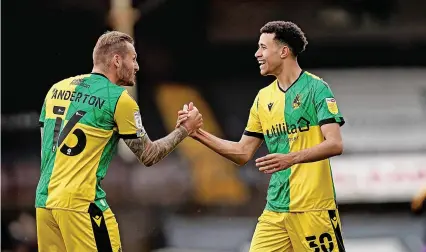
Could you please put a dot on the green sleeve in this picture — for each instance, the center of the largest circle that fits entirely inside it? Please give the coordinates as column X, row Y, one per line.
column 42, row 114
column 326, row 106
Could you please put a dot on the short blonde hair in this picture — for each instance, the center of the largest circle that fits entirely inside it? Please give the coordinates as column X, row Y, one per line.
column 111, row 42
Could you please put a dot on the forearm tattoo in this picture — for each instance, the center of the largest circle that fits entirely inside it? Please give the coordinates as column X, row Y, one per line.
column 150, row 153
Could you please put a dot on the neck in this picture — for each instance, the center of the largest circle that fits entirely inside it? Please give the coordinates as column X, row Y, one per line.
column 111, row 77
column 290, row 72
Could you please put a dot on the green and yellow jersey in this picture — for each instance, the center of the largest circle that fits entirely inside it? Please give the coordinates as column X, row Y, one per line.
column 290, row 121
column 83, row 118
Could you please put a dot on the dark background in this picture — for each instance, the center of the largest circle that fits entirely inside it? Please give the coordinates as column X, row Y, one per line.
column 208, row 46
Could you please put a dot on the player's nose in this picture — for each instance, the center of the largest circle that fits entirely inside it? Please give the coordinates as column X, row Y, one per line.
column 257, row 54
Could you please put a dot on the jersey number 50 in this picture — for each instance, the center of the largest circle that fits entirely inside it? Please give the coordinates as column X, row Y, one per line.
column 59, row 136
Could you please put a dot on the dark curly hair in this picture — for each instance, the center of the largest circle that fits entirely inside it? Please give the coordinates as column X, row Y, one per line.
column 288, row 33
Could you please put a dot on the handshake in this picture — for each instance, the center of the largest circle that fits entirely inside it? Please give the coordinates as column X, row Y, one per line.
column 190, row 118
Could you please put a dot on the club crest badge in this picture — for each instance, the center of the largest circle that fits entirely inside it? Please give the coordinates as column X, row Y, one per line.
column 297, row 101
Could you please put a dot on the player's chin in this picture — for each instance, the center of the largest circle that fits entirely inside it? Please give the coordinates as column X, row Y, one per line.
column 263, row 72
column 131, row 83
column 127, row 84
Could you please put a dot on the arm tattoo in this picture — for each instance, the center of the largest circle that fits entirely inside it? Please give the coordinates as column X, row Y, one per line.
column 150, row 153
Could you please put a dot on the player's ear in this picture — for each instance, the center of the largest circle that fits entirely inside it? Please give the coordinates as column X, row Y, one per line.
column 116, row 60
column 285, row 51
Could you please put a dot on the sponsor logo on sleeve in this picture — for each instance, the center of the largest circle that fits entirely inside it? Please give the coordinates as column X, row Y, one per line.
column 332, row 105
column 138, row 123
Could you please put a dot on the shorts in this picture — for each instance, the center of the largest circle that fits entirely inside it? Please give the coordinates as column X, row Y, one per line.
column 64, row 230
column 315, row 231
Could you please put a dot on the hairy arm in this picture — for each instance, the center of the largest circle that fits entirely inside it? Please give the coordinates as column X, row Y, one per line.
column 150, row 153
column 238, row 152
column 332, row 146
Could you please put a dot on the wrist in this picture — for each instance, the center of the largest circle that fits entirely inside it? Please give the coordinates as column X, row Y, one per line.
column 195, row 134
column 295, row 158
column 184, row 130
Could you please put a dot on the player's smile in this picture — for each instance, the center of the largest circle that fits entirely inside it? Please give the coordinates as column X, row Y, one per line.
column 263, row 66
column 261, row 63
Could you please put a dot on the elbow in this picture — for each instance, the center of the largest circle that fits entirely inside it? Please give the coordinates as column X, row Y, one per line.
column 148, row 163
column 241, row 161
column 242, row 156
column 338, row 148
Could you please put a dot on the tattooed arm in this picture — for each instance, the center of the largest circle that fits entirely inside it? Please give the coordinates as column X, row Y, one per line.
column 150, row 153
column 130, row 128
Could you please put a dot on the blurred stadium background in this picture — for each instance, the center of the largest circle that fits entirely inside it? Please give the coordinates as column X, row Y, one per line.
column 372, row 53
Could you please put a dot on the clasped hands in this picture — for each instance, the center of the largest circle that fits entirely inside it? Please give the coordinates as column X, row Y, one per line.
column 192, row 120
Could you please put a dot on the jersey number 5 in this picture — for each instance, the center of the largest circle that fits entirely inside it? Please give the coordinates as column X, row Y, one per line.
column 59, row 136
column 323, row 240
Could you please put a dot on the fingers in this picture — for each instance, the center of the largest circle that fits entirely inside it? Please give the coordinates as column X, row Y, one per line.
column 194, row 110
column 200, row 117
column 269, row 166
column 182, row 116
column 200, row 121
column 189, row 107
column 182, row 112
column 265, row 158
column 194, row 113
column 196, row 119
column 190, row 117
column 265, row 163
column 199, row 125
column 270, row 171
column 179, row 122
